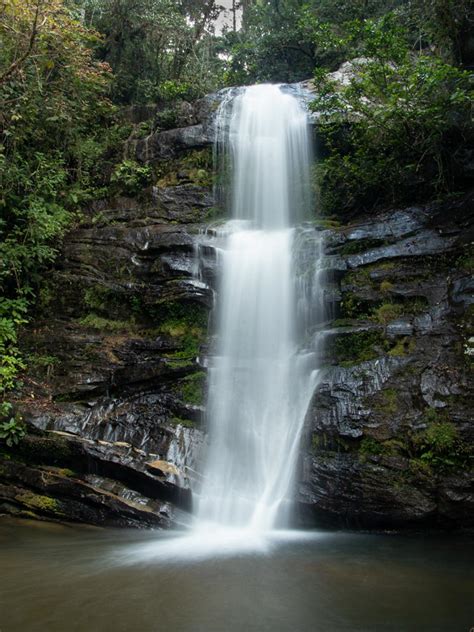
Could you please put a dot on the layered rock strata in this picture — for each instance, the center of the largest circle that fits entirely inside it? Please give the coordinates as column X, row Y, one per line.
column 114, row 396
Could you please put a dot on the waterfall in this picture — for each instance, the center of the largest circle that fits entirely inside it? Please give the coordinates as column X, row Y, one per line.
column 260, row 380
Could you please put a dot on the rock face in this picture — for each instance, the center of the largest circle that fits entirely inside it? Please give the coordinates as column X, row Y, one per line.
column 389, row 432
column 194, row 129
column 109, row 484
column 114, row 359
column 114, row 396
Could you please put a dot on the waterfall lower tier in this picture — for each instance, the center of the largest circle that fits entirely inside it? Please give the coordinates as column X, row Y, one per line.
column 259, row 385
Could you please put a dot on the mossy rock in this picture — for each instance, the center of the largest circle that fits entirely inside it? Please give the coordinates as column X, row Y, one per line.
column 182, row 421
column 38, row 502
column 356, row 347
column 356, row 246
column 52, row 449
column 193, row 388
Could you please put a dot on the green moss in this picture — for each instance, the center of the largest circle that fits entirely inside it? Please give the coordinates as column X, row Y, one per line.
column 352, row 306
column 391, row 447
column 166, row 313
column 319, row 442
column 396, row 446
column 355, row 246
column 52, row 449
column 103, row 301
column 105, row 324
column 181, row 421
column 214, row 213
column 359, row 277
column 342, row 322
column 189, row 343
column 66, row 472
column 327, row 223
column 387, row 401
column 179, row 328
column 404, row 346
column 193, row 388
column 195, row 166
column 387, row 312
column 315, row 443
column 386, row 286
column 378, row 266
column 323, row 443
column 357, row 347
column 40, row 503
column 186, row 323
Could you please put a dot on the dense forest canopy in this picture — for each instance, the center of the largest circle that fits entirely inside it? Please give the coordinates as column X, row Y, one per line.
column 399, row 131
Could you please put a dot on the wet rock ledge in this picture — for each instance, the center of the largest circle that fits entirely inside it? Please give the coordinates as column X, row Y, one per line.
column 115, row 382
column 389, row 434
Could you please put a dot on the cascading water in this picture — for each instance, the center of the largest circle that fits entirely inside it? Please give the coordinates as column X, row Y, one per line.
column 260, row 384
column 262, row 369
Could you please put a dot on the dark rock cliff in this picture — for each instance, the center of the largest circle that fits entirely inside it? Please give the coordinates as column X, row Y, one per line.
column 115, row 390
column 389, row 433
column 114, row 396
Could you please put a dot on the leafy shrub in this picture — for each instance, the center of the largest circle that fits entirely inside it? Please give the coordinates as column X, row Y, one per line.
column 12, row 430
column 439, row 446
column 398, row 130
column 440, row 437
column 370, row 447
column 166, row 119
column 131, row 177
column 170, row 90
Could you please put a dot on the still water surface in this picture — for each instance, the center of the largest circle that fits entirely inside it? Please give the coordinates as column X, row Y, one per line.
column 62, row 579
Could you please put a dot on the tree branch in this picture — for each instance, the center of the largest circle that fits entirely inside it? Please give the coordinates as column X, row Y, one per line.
column 16, row 65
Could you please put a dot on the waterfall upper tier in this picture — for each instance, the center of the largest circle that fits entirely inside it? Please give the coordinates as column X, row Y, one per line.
column 263, row 140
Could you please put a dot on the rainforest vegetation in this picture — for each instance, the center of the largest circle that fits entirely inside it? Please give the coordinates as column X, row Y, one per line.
column 399, row 130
